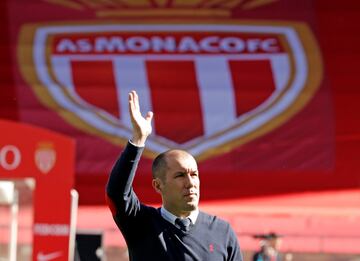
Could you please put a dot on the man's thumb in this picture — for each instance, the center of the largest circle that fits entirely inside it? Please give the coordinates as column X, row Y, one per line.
column 149, row 116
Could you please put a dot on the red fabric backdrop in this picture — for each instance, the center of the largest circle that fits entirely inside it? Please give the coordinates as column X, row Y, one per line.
column 314, row 148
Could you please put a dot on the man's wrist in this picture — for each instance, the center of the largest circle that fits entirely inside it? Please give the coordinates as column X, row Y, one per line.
column 137, row 142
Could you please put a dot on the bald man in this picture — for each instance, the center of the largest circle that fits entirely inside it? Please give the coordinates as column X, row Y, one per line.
column 177, row 230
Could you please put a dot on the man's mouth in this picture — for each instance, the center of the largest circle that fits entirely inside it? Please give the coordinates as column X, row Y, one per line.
column 190, row 194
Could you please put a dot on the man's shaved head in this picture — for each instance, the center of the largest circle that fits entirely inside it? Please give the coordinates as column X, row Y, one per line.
column 159, row 166
column 160, row 163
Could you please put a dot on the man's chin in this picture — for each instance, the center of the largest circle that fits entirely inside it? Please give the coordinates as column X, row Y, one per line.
column 192, row 205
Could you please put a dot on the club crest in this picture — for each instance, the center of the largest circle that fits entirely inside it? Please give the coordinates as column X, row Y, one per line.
column 45, row 158
column 211, row 87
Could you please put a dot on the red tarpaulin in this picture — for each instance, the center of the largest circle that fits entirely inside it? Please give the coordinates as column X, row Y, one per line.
column 263, row 94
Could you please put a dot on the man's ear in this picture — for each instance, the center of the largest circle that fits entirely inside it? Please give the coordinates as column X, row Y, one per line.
column 156, row 183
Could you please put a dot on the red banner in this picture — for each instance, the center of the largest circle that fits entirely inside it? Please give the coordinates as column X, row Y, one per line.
column 48, row 158
column 243, row 86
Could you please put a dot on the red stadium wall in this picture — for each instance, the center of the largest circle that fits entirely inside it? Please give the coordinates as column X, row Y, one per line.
column 312, row 145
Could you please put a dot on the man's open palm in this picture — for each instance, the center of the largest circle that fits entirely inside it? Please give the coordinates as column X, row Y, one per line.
column 141, row 125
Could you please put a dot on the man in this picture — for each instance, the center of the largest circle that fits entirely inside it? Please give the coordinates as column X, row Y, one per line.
column 177, row 230
column 269, row 250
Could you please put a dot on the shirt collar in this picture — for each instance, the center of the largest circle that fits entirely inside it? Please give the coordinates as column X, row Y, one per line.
column 171, row 217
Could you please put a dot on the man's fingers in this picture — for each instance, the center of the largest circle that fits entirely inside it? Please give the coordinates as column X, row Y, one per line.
column 131, row 102
column 136, row 100
column 141, row 125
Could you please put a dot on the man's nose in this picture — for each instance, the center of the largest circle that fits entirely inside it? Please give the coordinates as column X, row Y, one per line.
column 190, row 182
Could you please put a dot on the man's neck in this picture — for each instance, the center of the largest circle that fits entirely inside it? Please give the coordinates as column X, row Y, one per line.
column 169, row 216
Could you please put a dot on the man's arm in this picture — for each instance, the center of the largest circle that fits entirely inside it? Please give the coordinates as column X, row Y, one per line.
column 119, row 193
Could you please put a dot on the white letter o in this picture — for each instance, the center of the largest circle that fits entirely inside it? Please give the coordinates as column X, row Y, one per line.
column 17, row 157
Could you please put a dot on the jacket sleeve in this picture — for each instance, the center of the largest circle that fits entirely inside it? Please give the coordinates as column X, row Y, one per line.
column 120, row 195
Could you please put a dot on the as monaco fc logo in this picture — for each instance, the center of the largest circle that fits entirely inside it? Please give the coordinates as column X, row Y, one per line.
column 211, row 87
column 45, row 157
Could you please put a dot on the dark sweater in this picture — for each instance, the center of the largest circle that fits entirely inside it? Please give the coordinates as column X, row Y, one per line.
column 150, row 237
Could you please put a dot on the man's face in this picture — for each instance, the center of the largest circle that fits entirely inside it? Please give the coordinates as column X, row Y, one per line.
column 275, row 243
column 180, row 188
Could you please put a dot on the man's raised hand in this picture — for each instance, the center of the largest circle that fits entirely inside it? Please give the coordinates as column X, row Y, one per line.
column 141, row 125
